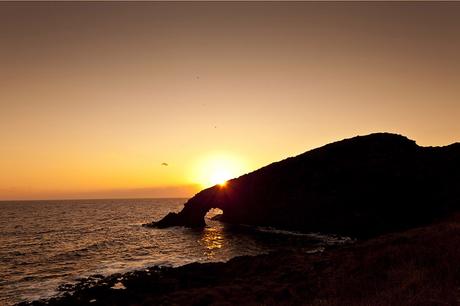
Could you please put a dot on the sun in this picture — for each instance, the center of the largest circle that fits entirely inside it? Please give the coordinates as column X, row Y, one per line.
column 217, row 169
column 220, row 177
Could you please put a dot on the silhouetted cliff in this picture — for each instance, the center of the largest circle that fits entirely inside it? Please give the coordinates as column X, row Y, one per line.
column 361, row 186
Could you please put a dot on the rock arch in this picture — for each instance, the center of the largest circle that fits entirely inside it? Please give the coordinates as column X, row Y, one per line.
column 194, row 211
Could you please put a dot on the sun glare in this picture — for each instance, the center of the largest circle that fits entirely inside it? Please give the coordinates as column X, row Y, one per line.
column 217, row 170
column 220, row 177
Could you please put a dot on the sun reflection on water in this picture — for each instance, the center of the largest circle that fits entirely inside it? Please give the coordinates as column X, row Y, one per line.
column 213, row 237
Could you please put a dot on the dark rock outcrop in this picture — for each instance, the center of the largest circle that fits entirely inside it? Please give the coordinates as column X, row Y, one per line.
column 361, row 187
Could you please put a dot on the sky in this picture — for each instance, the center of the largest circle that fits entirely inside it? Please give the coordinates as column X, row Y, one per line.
column 101, row 100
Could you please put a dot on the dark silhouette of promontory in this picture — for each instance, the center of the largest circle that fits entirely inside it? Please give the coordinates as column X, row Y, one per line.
column 362, row 186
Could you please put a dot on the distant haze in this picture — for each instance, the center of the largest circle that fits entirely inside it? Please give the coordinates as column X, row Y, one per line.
column 125, row 99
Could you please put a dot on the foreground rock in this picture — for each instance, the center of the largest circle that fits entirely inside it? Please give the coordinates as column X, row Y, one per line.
column 359, row 187
column 416, row 267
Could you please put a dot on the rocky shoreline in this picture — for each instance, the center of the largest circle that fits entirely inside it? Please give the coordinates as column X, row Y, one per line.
column 413, row 267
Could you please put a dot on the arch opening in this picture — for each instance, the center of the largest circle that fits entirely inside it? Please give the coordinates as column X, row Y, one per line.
column 213, row 214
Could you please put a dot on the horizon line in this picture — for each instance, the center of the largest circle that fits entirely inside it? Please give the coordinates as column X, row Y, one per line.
column 91, row 199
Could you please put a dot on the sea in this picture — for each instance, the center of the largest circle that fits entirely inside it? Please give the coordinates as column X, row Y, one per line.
column 44, row 244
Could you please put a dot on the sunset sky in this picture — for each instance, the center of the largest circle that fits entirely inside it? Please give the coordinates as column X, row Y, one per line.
column 96, row 97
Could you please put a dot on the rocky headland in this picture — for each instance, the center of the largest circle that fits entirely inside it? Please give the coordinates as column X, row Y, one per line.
column 360, row 187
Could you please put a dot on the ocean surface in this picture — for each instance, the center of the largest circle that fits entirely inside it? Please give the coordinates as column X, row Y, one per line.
column 44, row 244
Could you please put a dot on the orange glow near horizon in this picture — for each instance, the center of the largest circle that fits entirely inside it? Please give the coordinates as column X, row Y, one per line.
column 217, row 169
